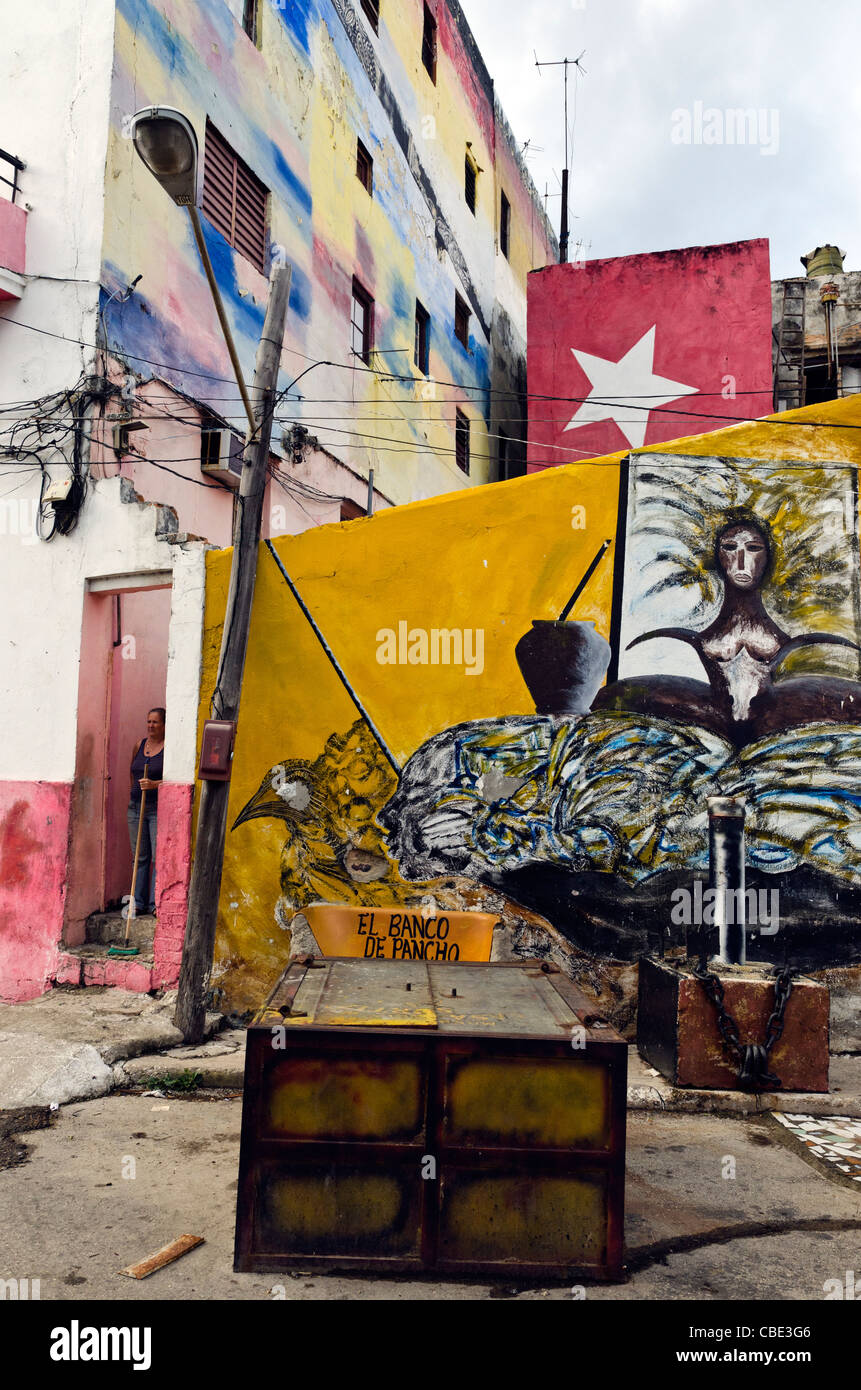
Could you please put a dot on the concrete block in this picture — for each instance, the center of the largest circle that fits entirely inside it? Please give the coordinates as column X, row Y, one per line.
column 677, row 1026
column 40, row 1070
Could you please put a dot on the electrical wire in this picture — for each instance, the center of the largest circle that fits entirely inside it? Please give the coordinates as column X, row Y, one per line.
column 54, row 434
column 461, row 386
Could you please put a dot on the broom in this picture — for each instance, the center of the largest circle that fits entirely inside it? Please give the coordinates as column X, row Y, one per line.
column 126, row 949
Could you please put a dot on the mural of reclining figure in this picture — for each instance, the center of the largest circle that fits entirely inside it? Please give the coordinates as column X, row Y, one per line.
column 540, row 805
column 740, row 651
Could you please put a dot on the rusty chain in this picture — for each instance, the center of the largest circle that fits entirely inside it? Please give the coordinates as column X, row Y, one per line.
column 752, row 1058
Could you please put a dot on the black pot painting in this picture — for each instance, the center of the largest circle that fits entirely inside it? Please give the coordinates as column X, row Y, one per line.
column 563, row 664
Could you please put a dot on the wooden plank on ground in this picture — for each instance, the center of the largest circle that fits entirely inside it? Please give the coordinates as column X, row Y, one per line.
column 165, row 1256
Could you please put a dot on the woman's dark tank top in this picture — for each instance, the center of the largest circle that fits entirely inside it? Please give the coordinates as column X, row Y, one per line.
column 156, row 771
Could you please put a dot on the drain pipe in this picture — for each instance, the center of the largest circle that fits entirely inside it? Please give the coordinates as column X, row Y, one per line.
column 726, row 875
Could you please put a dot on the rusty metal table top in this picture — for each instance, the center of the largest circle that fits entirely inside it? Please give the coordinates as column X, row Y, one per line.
column 529, row 999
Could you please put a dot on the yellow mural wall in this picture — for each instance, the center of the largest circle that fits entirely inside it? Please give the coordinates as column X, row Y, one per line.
column 491, row 561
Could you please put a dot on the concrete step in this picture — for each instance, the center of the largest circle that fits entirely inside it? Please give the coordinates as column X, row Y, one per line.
column 221, row 1063
column 109, row 928
column 67, row 1044
column 91, row 964
column 100, row 951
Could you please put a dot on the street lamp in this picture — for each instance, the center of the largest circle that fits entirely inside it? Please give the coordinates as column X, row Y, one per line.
column 167, row 144
column 165, row 140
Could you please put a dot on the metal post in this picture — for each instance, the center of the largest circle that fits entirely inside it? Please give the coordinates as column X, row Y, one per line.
column 370, row 506
column 212, row 817
column 219, row 309
column 563, row 222
column 726, row 875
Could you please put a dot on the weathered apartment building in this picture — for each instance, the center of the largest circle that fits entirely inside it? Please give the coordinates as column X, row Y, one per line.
column 817, row 331
column 363, row 144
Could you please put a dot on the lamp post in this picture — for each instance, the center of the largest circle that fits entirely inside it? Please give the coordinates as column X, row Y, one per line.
column 165, row 140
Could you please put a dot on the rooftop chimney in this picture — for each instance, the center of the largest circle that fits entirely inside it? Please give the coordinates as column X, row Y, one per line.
column 825, row 260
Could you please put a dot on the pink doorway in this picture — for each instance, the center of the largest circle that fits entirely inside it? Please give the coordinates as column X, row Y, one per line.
column 138, row 680
column 123, row 673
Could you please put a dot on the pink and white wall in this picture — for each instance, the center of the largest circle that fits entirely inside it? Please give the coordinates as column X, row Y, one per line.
column 60, row 846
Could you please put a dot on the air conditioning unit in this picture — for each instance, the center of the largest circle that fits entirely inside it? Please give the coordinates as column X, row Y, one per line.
column 221, row 454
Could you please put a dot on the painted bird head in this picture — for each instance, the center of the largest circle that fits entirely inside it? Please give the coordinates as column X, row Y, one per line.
column 288, row 792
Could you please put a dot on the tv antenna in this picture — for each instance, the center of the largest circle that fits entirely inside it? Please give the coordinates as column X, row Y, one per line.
column 564, row 63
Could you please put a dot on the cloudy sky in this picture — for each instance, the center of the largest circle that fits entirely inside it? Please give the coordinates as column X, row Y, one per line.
column 651, row 166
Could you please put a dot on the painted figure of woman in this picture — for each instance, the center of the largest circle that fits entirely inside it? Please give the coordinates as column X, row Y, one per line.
column 740, row 651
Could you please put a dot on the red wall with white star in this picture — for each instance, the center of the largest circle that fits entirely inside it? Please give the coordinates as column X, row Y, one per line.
column 637, row 350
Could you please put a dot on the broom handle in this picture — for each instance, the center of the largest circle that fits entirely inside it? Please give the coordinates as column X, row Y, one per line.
column 131, row 911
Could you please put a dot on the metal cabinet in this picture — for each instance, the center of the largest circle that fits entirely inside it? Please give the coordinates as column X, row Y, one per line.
column 414, row 1115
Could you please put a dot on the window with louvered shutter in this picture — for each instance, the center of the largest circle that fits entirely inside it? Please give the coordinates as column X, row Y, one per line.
column 234, row 199
column 364, row 168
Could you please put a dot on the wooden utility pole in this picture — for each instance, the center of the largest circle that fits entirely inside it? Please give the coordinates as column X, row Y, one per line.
column 199, row 941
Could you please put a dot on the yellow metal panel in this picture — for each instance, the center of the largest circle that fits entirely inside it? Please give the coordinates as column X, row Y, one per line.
column 528, row 1219
column 360, row 993
column 326, row 1097
column 516, row 1101
column 352, row 1212
column 468, row 999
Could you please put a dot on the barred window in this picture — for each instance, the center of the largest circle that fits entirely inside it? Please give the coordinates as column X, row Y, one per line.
column 461, row 440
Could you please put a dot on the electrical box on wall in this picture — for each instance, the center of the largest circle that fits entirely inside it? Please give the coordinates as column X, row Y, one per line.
column 216, row 750
column 58, row 491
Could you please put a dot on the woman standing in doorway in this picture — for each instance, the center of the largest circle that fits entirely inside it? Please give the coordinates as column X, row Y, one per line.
column 148, row 754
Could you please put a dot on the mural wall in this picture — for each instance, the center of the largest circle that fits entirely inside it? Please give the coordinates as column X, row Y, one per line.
column 649, row 348
column 490, row 755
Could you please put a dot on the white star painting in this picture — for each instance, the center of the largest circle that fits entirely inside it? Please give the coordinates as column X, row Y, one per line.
column 632, row 374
